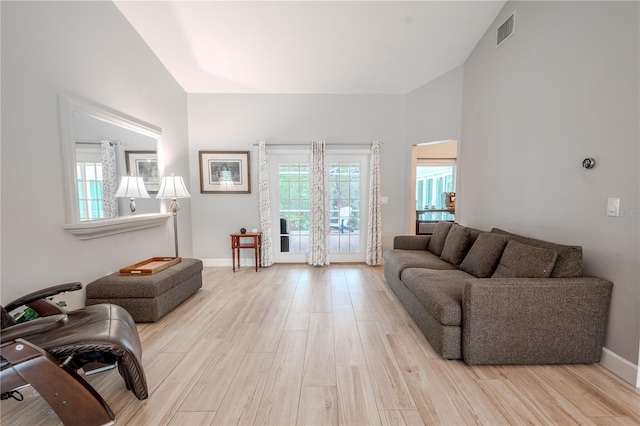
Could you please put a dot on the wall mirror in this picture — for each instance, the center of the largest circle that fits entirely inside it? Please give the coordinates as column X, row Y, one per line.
column 100, row 145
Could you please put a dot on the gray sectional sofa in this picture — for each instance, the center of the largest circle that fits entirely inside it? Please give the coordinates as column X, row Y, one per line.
column 499, row 298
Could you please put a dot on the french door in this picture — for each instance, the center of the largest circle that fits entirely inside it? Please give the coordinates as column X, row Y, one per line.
column 348, row 183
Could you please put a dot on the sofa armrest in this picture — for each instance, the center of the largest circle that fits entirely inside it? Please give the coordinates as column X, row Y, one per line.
column 534, row 320
column 411, row 242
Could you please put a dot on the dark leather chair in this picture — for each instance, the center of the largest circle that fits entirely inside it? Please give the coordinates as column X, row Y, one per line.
column 104, row 334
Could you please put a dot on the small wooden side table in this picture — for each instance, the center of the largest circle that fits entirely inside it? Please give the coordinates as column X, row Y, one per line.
column 255, row 244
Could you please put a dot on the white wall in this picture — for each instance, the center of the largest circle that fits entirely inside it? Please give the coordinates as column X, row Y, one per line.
column 434, row 110
column 233, row 122
column 87, row 48
column 562, row 88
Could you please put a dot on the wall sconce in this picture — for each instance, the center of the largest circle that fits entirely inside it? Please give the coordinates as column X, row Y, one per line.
column 132, row 187
column 172, row 187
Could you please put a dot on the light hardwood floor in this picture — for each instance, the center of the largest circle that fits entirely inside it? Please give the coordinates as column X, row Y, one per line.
column 294, row 344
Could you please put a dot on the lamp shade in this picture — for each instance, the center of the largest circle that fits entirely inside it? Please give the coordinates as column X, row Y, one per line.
column 172, row 187
column 132, row 187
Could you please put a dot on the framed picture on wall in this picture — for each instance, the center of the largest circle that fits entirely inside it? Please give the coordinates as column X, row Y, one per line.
column 225, row 172
column 145, row 165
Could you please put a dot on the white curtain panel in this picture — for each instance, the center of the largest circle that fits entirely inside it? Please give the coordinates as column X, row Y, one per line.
column 319, row 206
column 109, row 180
column 374, row 230
column 265, row 204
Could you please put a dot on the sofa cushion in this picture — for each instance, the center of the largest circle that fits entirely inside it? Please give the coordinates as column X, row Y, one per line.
column 439, row 291
column 397, row 260
column 568, row 262
column 456, row 245
column 524, row 261
column 436, row 244
column 484, row 255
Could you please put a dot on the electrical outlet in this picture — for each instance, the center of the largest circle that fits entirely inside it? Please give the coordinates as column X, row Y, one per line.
column 613, row 207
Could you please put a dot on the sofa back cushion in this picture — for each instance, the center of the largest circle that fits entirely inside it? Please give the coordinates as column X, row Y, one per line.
column 436, row 243
column 456, row 244
column 524, row 261
column 568, row 262
column 484, row 255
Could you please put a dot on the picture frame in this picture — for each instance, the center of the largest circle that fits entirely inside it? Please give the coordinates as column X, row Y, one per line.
column 225, row 172
column 145, row 165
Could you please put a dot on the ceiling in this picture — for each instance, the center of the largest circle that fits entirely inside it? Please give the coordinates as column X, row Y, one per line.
column 337, row 47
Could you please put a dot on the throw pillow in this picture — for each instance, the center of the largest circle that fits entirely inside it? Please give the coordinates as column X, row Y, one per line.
column 455, row 246
column 523, row 261
column 436, row 243
column 568, row 262
column 484, row 255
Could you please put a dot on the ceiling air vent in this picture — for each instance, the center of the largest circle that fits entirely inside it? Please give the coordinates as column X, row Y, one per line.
column 506, row 29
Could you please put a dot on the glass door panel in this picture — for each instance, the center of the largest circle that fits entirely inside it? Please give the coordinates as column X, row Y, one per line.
column 348, row 203
column 289, row 193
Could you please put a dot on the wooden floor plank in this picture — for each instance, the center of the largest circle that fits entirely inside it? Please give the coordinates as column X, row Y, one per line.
column 614, row 421
column 435, row 404
column 174, row 389
column 190, row 418
column 319, row 360
column 347, row 343
column 241, row 403
column 623, row 399
column 389, row 386
column 279, row 404
column 318, row 406
column 362, row 306
column 512, row 404
column 219, row 371
column 401, row 418
column 321, row 301
column 340, row 293
column 356, row 400
column 553, row 405
column 298, row 316
column 270, row 329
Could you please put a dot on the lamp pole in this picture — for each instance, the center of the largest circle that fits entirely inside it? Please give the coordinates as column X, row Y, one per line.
column 174, row 206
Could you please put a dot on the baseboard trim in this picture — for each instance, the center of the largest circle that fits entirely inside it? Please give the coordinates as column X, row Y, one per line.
column 250, row 262
column 620, row 367
column 216, row 262
column 227, row 262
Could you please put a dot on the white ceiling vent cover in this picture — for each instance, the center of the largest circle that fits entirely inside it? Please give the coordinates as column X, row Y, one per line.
column 507, row 29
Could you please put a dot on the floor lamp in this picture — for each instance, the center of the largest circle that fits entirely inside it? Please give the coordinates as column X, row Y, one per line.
column 172, row 187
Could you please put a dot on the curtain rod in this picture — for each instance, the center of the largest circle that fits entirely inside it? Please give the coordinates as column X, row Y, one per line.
column 308, row 144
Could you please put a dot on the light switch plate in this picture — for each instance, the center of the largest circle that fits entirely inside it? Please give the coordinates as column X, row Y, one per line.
column 613, row 207
column 384, row 200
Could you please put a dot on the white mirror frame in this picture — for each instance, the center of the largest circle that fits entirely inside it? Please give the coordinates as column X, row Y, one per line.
column 103, row 227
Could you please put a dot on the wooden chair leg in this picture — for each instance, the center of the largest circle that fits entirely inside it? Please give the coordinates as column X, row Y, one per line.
column 72, row 399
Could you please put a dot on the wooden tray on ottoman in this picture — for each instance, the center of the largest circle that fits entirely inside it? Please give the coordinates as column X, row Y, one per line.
column 150, row 266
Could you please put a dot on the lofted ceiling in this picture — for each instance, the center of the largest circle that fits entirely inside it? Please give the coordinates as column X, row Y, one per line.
column 337, row 47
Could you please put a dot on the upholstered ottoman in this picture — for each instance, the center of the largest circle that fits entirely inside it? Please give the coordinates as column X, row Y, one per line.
column 148, row 297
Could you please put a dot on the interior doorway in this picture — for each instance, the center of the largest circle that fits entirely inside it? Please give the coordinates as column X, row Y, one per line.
column 433, row 184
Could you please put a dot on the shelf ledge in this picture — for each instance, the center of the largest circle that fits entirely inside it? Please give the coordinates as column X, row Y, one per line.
column 102, row 228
